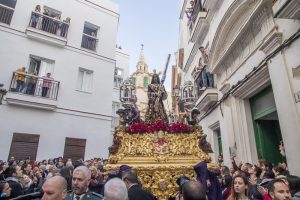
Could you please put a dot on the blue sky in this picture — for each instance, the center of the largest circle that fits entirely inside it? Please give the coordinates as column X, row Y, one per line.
column 153, row 23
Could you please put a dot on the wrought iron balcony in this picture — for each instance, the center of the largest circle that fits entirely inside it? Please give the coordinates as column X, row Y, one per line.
column 49, row 24
column 6, row 14
column 34, row 85
column 197, row 22
column 89, row 42
column 46, row 28
column 33, row 91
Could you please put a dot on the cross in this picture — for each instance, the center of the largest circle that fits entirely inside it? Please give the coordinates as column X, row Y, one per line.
column 142, row 46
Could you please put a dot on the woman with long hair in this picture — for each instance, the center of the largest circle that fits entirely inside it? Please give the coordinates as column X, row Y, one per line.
column 240, row 188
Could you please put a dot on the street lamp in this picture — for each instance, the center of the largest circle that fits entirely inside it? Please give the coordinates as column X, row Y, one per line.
column 127, row 94
column 188, row 95
column 176, row 91
column 2, row 92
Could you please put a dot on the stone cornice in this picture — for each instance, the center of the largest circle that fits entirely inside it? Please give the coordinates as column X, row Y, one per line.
column 254, row 84
column 272, row 41
column 241, row 15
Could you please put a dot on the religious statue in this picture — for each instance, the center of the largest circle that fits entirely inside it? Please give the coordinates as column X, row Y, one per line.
column 156, row 95
column 194, row 119
column 128, row 116
column 204, row 145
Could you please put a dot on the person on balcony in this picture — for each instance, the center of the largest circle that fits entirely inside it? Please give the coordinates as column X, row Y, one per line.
column 47, row 82
column 35, row 16
column 207, row 77
column 55, row 24
column 46, row 20
column 64, row 27
column 32, row 80
column 189, row 11
column 20, row 78
column 156, row 95
column 199, row 74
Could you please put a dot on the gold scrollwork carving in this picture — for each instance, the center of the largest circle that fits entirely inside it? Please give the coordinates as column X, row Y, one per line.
column 159, row 158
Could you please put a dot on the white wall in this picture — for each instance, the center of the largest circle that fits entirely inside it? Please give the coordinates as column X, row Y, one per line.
column 78, row 114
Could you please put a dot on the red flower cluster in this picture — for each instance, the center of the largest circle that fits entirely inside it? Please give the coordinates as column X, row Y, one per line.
column 180, row 128
column 137, row 128
column 159, row 125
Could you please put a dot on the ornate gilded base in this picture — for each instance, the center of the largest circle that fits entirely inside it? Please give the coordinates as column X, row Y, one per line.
column 159, row 158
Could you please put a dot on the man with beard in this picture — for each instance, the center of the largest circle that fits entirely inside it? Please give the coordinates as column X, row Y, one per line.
column 80, row 182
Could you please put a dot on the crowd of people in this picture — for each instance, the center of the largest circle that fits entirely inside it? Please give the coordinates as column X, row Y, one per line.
column 59, row 179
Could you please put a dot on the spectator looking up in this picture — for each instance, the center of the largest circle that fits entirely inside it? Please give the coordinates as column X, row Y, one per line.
column 5, row 190
column 20, row 77
column 115, row 189
column 55, row 188
column 47, row 81
column 279, row 190
column 193, row 190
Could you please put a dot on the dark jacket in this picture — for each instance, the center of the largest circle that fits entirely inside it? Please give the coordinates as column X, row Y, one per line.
column 135, row 192
column 16, row 188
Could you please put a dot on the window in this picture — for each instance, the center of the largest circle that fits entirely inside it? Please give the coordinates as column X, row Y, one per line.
column 24, row 145
column 89, row 36
column 40, row 65
column 115, row 118
column 7, row 8
column 118, row 77
column 133, row 81
column 85, row 80
column 74, row 148
column 146, row 81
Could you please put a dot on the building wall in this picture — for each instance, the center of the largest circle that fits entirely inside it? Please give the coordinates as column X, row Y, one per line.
column 239, row 35
column 78, row 114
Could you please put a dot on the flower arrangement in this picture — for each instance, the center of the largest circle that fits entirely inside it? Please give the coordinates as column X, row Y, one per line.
column 137, row 128
column 180, row 128
column 159, row 125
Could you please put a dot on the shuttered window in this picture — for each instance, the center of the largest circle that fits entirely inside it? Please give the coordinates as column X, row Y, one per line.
column 146, row 82
column 74, row 148
column 24, row 145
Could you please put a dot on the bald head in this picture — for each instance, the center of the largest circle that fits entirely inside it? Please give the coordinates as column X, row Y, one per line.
column 55, row 188
column 115, row 189
column 193, row 190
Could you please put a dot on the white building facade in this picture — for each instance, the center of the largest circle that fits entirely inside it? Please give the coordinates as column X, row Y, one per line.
column 121, row 74
column 253, row 105
column 74, row 41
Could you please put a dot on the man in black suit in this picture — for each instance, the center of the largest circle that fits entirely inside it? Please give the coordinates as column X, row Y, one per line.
column 135, row 191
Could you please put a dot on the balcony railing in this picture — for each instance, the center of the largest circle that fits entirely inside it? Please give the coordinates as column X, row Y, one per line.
column 34, row 86
column 89, row 42
column 49, row 24
column 6, row 14
column 196, row 12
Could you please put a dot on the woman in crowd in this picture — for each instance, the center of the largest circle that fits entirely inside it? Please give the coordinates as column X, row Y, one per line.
column 240, row 188
column 226, row 186
column 4, row 190
column 97, row 181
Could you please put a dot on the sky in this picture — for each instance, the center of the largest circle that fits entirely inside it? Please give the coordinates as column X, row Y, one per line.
column 155, row 24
